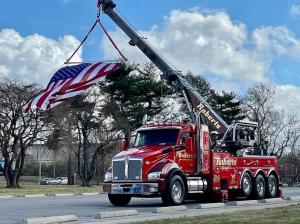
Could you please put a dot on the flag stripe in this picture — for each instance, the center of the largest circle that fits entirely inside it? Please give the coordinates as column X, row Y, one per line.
column 76, row 85
column 42, row 103
column 70, row 81
column 87, row 74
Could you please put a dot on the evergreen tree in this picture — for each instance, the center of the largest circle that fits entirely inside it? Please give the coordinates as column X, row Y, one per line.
column 130, row 93
column 227, row 106
column 201, row 85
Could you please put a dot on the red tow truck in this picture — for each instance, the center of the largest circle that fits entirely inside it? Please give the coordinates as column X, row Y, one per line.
column 180, row 160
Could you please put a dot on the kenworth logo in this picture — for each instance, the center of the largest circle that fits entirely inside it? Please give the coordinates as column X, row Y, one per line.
column 207, row 114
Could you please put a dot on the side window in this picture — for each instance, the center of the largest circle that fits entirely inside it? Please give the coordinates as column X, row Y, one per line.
column 184, row 136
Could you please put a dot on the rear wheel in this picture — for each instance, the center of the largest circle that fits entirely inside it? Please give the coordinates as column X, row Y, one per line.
column 175, row 191
column 272, row 186
column 259, row 187
column 246, row 185
column 119, row 199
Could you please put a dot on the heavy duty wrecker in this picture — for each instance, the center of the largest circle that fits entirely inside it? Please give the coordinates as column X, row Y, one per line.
column 178, row 160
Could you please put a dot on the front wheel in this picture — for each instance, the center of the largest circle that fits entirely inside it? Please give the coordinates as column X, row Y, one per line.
column 119, row 199
column 175, row 191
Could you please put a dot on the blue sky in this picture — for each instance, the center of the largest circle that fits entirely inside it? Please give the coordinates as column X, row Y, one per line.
column 265, row 35
column 57, row 17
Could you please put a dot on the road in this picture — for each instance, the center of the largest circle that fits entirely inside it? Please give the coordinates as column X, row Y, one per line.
column 15, row 210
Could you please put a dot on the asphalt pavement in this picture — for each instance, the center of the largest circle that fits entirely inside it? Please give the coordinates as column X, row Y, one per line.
column 15, row 210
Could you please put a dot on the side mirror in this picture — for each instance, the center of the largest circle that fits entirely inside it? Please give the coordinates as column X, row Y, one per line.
column 188, row 145
column 124, row 145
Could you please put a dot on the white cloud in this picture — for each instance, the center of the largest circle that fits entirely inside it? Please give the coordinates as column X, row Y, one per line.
column 277, row 41
column 33, row 58
column 211, row 43
column 202, row 43
column 295, row 11
column 287, row 98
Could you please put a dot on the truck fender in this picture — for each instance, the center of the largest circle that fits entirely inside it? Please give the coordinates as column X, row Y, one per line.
column 272, row 171
column 168, row 172
column 262, row 172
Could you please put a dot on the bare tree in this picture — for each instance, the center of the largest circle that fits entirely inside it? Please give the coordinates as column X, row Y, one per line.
column 85, row 131
column 18, row 130
column 290, row 164
column 94, row 135
column 277, row 130
column 286, row 136
column 62, row 136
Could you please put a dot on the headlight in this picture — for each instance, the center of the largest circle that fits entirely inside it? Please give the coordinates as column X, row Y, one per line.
column 108, row 175
column 154, row 175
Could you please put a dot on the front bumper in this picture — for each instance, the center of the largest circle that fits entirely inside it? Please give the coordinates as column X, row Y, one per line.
column 131, row 188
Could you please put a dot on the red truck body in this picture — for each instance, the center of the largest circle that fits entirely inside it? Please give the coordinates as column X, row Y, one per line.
column 221, row 174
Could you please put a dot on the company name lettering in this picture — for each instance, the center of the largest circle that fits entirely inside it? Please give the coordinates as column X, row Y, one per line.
column 225, row 162
column 184, row 156
column 207, row 114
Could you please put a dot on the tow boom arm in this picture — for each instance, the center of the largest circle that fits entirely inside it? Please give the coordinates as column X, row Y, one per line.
column 196, row 103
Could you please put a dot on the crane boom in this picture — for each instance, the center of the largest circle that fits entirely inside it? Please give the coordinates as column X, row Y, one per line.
column 194, row 100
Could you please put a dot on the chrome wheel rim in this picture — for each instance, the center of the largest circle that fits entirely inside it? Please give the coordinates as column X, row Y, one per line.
column 246, row 185
column 272, row 186
column 177, row 191
column 260, row 187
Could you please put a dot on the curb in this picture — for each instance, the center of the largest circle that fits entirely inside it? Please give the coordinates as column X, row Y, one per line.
column 211, row 205
column 34, row 195
column 63, row 195
column 272, row 200
column 90, row 194
column 48, row 195
column 294, row 198
column 6, row 197
column 238, row 203
column 52, row 219
column 102, row 215
column 170, row 209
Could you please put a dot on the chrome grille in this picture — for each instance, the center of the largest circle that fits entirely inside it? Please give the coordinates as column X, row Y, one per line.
column 127, row 169
column 118, row 170
column 134, row 169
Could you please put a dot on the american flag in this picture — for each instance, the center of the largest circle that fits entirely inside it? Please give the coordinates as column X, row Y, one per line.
column 70, row 81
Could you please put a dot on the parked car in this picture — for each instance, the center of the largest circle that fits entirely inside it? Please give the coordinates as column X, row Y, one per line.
column 59, row 180
column 64, row 180
column 46, row 181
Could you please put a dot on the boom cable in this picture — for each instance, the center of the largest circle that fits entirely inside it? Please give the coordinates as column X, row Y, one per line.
column 98, row 21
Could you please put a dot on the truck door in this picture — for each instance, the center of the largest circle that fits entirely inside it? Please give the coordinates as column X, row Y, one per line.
column 186, row 161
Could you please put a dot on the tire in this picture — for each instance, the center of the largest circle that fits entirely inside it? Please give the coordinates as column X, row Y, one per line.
column 119, row 199
column 272, row 186
column 259, row 188
column 175, row 192
column 246, row 185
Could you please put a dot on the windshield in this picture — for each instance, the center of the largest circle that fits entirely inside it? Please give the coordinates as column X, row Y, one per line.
column 166, row 137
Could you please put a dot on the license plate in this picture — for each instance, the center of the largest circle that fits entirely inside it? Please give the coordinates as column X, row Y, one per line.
column 134, row 189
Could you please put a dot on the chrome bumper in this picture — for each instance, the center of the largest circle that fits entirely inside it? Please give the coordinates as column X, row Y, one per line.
column 131, row 188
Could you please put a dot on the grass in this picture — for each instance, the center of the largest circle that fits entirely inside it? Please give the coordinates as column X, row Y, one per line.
column 286, row 215
column 30, row 188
